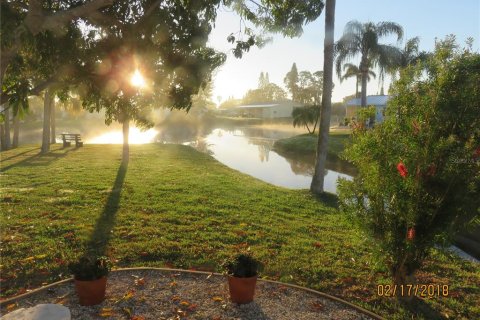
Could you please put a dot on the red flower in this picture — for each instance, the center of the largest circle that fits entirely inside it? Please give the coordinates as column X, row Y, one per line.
column 411, row 233
column 402, row 169
column 476, row 154
column 432, row 169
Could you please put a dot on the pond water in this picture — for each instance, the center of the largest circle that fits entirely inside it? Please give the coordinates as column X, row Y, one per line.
column 250, row 152
column 247, row 148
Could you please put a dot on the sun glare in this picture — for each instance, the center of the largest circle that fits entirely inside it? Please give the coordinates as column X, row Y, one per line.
column 135, row 136
column 137, row 80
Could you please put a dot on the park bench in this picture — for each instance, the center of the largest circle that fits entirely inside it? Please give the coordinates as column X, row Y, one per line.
column 67, row 138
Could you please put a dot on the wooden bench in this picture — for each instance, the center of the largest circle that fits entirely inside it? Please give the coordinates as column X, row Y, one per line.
column 68, row 137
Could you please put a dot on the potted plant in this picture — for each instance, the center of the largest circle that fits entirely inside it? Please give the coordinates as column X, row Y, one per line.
column 90, row 275
column 242, row 271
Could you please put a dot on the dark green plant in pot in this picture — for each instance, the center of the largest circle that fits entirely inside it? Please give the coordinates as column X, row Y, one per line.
column 242, row 266
column 89, row 268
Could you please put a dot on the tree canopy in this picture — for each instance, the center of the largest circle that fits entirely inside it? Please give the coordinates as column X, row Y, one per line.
column 363, row 39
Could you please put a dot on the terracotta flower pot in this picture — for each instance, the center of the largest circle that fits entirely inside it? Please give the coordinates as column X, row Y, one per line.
column 242, row 290
column 91, row 292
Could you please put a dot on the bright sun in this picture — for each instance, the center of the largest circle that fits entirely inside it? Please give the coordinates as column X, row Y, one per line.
column 137, row 80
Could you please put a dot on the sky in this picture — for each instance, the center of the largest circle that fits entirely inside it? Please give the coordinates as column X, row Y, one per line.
column 427, row 19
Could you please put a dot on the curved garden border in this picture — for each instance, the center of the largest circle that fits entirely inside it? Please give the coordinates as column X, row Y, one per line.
column 318, row 293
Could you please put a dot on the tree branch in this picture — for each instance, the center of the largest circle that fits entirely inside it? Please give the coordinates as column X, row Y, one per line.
column 61, row 18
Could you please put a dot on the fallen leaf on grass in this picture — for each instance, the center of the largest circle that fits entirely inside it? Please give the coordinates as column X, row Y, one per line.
column 106, row 312
column 173, row 284
column 21, row 291
column 217, row 299
column 185, row 303
column 317, row 245
column 175, row 298
column 137, row 318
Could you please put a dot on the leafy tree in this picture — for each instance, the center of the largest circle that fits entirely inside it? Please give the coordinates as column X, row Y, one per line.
column 285, row 17
column 230, row 103
column 352, row 70
column 266, row 92
column 325, row 112
column 419, row 177
column 362, row 39
column 409, row 55
column 203, row 99
column 167, row 44
column 309, row 90
column 305, row 117
column 20, row 21
column 291, row 81
column 261, row 80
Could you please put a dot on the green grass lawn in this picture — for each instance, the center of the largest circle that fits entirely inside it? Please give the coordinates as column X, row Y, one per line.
column 306, row 144
column 173, row 206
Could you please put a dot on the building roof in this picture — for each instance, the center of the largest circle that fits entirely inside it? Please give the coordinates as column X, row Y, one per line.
column 269, row 104
column 378, row 100
column 258, row 105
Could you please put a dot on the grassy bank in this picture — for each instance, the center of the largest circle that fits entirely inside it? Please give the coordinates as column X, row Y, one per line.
column 306, row 144
column 173, row 206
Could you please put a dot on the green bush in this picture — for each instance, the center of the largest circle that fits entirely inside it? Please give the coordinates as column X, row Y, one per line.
column 419, row 180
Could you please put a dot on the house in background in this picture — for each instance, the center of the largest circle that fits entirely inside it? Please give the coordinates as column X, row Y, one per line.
column 379, row 101
column 268, row 110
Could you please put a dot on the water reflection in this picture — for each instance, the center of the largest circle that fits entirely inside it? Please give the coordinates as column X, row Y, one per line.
column 253, row 155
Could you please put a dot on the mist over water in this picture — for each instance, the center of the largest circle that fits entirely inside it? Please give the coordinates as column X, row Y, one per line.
column 246, row 146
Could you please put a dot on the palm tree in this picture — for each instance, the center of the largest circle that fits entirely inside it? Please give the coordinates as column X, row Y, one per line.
column 409, row 55
column 352, row 70
column 316, row 186
column 362, row 38
column 304, row 116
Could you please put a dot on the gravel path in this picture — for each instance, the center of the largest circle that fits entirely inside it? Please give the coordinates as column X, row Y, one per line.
column 159, row 294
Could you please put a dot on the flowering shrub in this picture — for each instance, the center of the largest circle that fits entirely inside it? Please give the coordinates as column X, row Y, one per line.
column 419, row 171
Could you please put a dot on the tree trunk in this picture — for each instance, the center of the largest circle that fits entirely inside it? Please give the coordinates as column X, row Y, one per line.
column 52, row 122
column 125, row 129
column 2, row 137
column 325, row 113
column 16, row 129
column 315, row 126
column 402, row 279
column 356, row 87
column 364, row 70
column 6, row 129
column 46, row 122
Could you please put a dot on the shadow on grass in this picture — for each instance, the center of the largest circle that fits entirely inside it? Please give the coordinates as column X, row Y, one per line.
column 418, row 307
column 100, row 237
column 18, row 154
column 39, row 159
column 327, row 199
